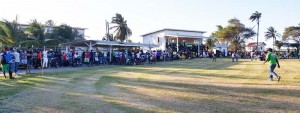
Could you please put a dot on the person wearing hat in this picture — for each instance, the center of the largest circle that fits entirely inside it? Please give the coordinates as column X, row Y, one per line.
column 273, row 61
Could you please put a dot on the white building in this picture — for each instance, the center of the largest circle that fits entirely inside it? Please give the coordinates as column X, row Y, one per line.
column 164, row 37
column 253, row 45
column 222, row 48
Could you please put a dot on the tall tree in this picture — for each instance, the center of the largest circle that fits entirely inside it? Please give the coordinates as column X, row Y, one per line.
column 235, row 33
column 10, row 33
column 109, row 37
column 36, row 32
column 50, row 23
column 65, row 33
column 256, row 17
column 271, row 33
column 122, row 31
column 210, row 43
column 278, row 44
column 293, row 32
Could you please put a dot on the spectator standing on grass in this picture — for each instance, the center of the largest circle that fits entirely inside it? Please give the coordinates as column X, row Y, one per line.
column 236, row 56
column 92, row 57
column 204, row 54
column 214, row 57
column 17, row 62
column 87, row 58
column 10, row 58
column 64, row 59
column 35, row 58
column 105, row 54
column 29, row 55
column 40, row 56
column 76, row 59
column 232, row 56
column 251, row 55
column 82, row 56
column 97, row 58
column 273, row 61
column 45, row 58
column 4, row 62
column 23, row 58
column 59, row 57
column 1, row 53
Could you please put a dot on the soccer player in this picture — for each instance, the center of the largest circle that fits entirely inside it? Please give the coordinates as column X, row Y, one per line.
column 273, row 61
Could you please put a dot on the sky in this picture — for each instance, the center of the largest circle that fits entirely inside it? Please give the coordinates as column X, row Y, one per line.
column 144, row 16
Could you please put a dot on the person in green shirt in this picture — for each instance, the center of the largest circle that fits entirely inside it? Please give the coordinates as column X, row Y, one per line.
column 273, row 61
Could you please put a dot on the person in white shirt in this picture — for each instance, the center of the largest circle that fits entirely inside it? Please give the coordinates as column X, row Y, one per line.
column 45, row 58
column 17, row 61
column 251, row 55
column 204, row 54
column 76, row 59
column 232, row 56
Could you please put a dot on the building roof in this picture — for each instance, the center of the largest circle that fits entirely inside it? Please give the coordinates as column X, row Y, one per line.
column 104, row 43
column 168, row 29
column 254, row 44
column 185, row 36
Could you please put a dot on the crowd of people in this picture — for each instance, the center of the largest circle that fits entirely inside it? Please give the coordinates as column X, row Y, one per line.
column 14, row 59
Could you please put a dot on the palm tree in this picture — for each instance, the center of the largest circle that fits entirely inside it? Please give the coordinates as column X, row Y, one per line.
column 36, row 32
column 122, row 31
column 271, row 33
column 256, row 17
column 50, row 23
column 10, row 33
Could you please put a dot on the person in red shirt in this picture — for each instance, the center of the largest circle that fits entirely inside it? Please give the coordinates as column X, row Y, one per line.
column 39, row 56
column 64, row 57
column 87, row 57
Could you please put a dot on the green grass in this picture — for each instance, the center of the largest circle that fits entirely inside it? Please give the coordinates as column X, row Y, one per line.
column 196, row 85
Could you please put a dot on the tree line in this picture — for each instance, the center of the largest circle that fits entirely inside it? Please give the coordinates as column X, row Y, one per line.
column 36, row 33
column 40, row 34
column 236, row 33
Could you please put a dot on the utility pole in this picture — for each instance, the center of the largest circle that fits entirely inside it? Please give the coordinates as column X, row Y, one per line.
column 107, row 30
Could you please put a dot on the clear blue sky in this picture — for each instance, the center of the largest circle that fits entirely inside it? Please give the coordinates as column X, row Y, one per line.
column 145, row 16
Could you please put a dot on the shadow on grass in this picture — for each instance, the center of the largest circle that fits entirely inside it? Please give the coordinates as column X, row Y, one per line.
column 198, row 64
column 226, row 98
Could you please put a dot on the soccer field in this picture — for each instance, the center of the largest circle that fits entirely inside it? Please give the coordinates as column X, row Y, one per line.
column 197, row 85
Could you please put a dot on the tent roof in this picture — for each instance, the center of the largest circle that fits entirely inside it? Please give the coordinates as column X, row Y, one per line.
column 187, row 36
column 103, row 43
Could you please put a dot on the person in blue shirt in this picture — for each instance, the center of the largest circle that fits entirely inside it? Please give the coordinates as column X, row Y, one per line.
column 11, row 61
column 92, row 58
column 158, row 55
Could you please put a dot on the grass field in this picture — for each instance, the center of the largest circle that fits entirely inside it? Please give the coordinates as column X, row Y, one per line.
column 196, row 85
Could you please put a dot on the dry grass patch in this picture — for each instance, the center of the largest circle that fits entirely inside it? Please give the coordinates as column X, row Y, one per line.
column 197, row 85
